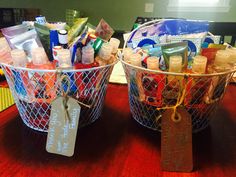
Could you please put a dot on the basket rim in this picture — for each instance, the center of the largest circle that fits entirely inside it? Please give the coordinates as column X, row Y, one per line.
column 177, row 74
column 166, row 72
column 58, row 69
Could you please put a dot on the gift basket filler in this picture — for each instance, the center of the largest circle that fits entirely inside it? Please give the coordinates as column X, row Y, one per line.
column 175, row 63
column 43, row 61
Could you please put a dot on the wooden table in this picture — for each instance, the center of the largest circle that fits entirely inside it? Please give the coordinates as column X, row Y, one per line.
column 116, row 145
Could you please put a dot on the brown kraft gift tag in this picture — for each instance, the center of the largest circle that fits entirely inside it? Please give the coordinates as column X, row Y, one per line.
column 176, row 141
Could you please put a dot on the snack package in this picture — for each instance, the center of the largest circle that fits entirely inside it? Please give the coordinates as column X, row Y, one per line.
column 103, row 30
column 77, row 28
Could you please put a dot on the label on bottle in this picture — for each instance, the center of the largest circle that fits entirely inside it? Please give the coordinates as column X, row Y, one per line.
column 63, row 126
column 176, row 141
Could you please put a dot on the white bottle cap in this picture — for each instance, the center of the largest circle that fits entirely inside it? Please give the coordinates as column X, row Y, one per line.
column 64, row 58
column 222, row 57
column 105, row 51
column 135, row 59
column 62, row 36
column 19, row 57
column 115, row 44
column 87, row 55
column 153, row 63
column 126, row 54
column 199, row 64
column 175, row 64
column 39, row 56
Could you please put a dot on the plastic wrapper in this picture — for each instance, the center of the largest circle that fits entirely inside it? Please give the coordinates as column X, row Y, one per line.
column 26, row 41
column 77, row 28
column 103, row 30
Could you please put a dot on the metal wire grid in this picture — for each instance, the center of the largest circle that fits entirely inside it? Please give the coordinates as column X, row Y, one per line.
column 151, row 93
column 34, row 90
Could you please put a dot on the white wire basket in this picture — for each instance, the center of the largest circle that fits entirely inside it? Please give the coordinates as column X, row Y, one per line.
column 34, row 90
column 152, row 92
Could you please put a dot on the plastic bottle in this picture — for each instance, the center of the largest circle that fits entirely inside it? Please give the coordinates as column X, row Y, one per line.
column 64, row 58
column 63, row 38
column 45, row 80
column 174, row 83
column 115, row 45
column 221, row 64
column 136, row 77
column 87, row 80
column 153, row 83
column 197, row 85
column 105, row 55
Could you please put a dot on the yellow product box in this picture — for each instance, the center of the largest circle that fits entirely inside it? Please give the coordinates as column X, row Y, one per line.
column 6, row 98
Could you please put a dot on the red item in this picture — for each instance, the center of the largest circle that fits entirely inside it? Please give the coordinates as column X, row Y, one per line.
column 45, row 80
column 210, row 53
column 86, row 80
column 153, row 85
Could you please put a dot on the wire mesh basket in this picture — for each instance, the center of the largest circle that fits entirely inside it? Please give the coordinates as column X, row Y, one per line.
column 34, row 90
column 152, row 92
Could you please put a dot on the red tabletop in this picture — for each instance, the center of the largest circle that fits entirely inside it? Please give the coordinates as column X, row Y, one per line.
column 116, row 145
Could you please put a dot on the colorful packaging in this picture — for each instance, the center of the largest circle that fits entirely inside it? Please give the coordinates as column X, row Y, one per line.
column 175, row 49
column 194, row 46
column 211, row 39
column 26, row 41
column 77, row 28
column 103, row 30
column 145, row 41
column 153, row 83
column 197, row 86
column 12, row 31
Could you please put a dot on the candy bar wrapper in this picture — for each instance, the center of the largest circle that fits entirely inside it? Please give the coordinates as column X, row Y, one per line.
column 103, row 30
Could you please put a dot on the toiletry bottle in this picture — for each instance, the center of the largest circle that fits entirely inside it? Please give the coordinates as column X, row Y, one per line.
column 44, row 81
column 105, row 55
column 126, row 54
column 86, row 80
column 197, row 86
column 136, row 87
column 63, row 38
column 153, row 83
column 232, row 57
column 64, row 59
column 173, row 86
column 21, row 78
column 115, row 45
column 221, row 64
